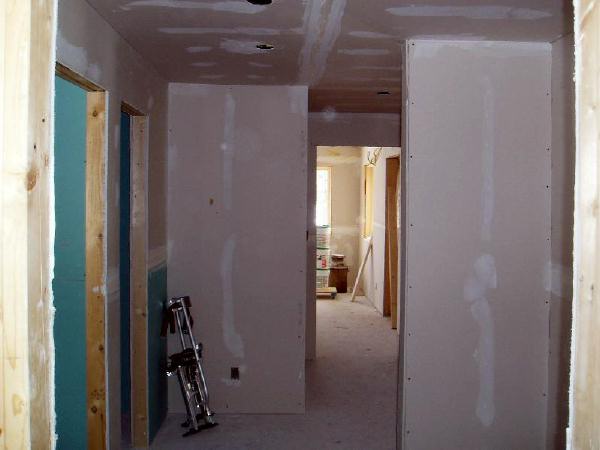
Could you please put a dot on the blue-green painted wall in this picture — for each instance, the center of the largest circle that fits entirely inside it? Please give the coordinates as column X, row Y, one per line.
column 125, row 266
column 68, row 284
column 157, row 350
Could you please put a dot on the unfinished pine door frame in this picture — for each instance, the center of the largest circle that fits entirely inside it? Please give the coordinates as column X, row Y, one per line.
column 584, row 426
column 26, row 217
column 138, row 234
column 95, row 255
column 391, row 265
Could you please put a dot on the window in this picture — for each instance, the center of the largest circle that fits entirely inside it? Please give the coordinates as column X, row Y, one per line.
column 323, row 212
column 369, row 175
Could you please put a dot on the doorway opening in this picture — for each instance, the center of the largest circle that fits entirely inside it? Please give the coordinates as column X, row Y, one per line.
column 79, row 272
column 125, row 274
column 357, row 271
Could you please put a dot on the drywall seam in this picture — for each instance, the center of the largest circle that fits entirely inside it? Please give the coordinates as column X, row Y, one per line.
column 230, row 6
column 232, row 339
column 491, row 12
column 320, row 34
column 227, row 147
column 487, row 192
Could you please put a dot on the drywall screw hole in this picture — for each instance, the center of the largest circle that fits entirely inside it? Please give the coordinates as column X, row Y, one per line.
column 409, row 378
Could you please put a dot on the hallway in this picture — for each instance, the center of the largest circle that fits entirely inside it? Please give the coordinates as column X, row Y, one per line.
column 350, row 396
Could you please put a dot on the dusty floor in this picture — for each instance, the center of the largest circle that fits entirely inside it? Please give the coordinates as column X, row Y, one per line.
column 350, row 397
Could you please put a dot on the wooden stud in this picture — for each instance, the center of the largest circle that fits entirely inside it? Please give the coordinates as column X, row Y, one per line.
column 95, row 277
column 139, row 283
column 585, row 376
column 26, row 80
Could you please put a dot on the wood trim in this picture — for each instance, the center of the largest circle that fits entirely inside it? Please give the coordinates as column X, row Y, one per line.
column 585, row 375
column 390, row 285
column 72, row 76
column 132, row 111
column 139, row 282
column 26, row 46
column 95, row 278
column 390, row 290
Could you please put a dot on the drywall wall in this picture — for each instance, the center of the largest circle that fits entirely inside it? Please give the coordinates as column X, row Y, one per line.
column 111, row 63
column 68, row 285
column 474, row 354
column 560, row 271
column 374, row 272
column 237, row 238
column 345, row 166
column 337, row 129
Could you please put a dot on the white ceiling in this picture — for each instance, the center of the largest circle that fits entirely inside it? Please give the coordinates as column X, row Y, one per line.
column 345, row 50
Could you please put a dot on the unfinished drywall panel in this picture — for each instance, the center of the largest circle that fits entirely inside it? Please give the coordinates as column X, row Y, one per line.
column 373, row 277
column 337, row 129
column 345, row 169
column 237, row 239
column 559, row 281
column 477, row 245
column 112, row 64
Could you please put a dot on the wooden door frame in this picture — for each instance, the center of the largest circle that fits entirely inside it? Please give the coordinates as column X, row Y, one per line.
column 584, row 421
column 95, row 254
column 391, row 255
column 26, row 217
column 138, row 241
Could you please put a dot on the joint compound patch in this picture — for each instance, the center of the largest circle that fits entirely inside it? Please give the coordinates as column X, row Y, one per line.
column 248, row 31
column 232, row 6
column 480, row 12
column 364, row 51
column 321, row 30
column 483, row 278
column 227, row 147
column 240, row 47
column 233, row 340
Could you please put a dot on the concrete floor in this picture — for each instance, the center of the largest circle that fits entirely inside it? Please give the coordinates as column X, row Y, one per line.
column 350, row 395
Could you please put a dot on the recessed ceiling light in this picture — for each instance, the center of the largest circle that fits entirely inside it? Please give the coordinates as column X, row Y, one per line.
column 265, row 46
column 260, row 2
column 384, row 93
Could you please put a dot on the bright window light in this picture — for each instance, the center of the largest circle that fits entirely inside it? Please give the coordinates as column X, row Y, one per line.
column 323, row 213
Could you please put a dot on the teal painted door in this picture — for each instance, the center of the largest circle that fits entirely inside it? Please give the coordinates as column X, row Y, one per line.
column 125, row 274
column 68, row 284
column 157, row 350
